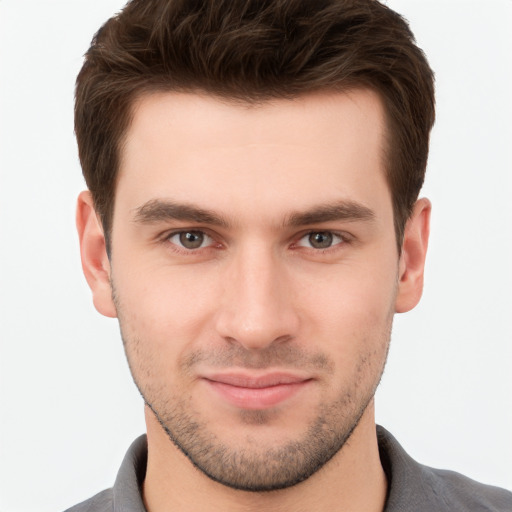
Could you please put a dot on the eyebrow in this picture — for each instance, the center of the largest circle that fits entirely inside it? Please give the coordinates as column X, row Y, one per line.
column 346, row 210
column 159, row 210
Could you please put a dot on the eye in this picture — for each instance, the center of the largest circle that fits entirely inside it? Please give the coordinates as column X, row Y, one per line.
column 190, row 239
column 320, row 240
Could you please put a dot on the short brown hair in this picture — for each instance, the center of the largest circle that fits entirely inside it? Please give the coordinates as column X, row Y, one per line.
column 254, row 50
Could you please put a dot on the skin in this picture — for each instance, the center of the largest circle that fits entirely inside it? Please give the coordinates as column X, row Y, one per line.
column 291, row 267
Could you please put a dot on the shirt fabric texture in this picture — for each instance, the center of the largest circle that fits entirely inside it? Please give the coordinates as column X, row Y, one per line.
column 412, row 487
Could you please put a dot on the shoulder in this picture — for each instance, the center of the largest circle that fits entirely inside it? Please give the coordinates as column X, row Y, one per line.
column 413, row 486
column 457, row 491
column 125, row 495
column 101, row 502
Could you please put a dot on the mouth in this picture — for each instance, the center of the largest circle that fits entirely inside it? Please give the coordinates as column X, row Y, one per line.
column 259, row 392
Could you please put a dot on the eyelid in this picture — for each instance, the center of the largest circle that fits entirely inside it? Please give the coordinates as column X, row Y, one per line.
column 214, row 242
column 176, row 246
column 345, row 238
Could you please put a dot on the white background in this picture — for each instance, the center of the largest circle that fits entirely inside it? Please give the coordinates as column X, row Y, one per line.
column 68, row 409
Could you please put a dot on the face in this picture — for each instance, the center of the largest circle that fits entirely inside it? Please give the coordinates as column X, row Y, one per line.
column 255, row 276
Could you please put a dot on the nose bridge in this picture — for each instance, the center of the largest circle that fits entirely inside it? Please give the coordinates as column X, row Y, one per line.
column 256, row 308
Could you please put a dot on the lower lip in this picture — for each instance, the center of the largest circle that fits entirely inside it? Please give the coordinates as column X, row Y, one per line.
column 257, row 398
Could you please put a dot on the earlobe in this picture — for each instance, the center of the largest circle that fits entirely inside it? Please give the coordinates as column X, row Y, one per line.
column 412, row 259
column 95, row 262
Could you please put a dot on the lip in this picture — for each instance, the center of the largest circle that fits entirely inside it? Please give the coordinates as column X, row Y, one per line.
column 256, row 392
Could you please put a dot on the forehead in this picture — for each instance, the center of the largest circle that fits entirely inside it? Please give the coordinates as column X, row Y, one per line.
column 203, row 120
column 284, row 153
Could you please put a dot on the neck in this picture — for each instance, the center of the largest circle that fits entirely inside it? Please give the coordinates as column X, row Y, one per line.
column 352, row 480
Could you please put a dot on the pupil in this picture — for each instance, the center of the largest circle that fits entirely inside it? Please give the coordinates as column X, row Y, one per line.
column 191, row 239
column 320, row 240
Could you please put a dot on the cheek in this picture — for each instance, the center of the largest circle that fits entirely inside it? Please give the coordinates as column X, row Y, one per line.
column 163, row 313
column 353, row 295
column 352, row 311
column 165, row 295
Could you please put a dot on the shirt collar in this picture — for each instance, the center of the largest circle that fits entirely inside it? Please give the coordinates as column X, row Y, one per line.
column 127, row 490
column 410, row 485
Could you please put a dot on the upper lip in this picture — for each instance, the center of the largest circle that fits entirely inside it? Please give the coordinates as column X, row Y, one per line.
column 244, row 380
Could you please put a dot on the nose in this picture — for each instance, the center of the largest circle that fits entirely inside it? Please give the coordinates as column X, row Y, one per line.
column 256, row 308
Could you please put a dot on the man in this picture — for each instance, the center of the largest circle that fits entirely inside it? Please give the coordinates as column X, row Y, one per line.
column 252, row 221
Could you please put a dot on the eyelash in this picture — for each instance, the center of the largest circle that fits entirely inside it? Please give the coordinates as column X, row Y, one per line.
column 344, row 239
column 167, row 238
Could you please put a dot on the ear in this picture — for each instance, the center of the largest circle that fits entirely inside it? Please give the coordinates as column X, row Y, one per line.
column 95, row 262
column 412, row 260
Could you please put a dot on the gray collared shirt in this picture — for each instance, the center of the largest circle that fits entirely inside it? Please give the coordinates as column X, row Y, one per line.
column 412, row 487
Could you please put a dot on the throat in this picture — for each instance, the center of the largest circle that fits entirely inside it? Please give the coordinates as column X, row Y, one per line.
column 352, row 480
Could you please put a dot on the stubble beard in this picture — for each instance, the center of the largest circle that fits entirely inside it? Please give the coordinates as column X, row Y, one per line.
column 254, row 467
